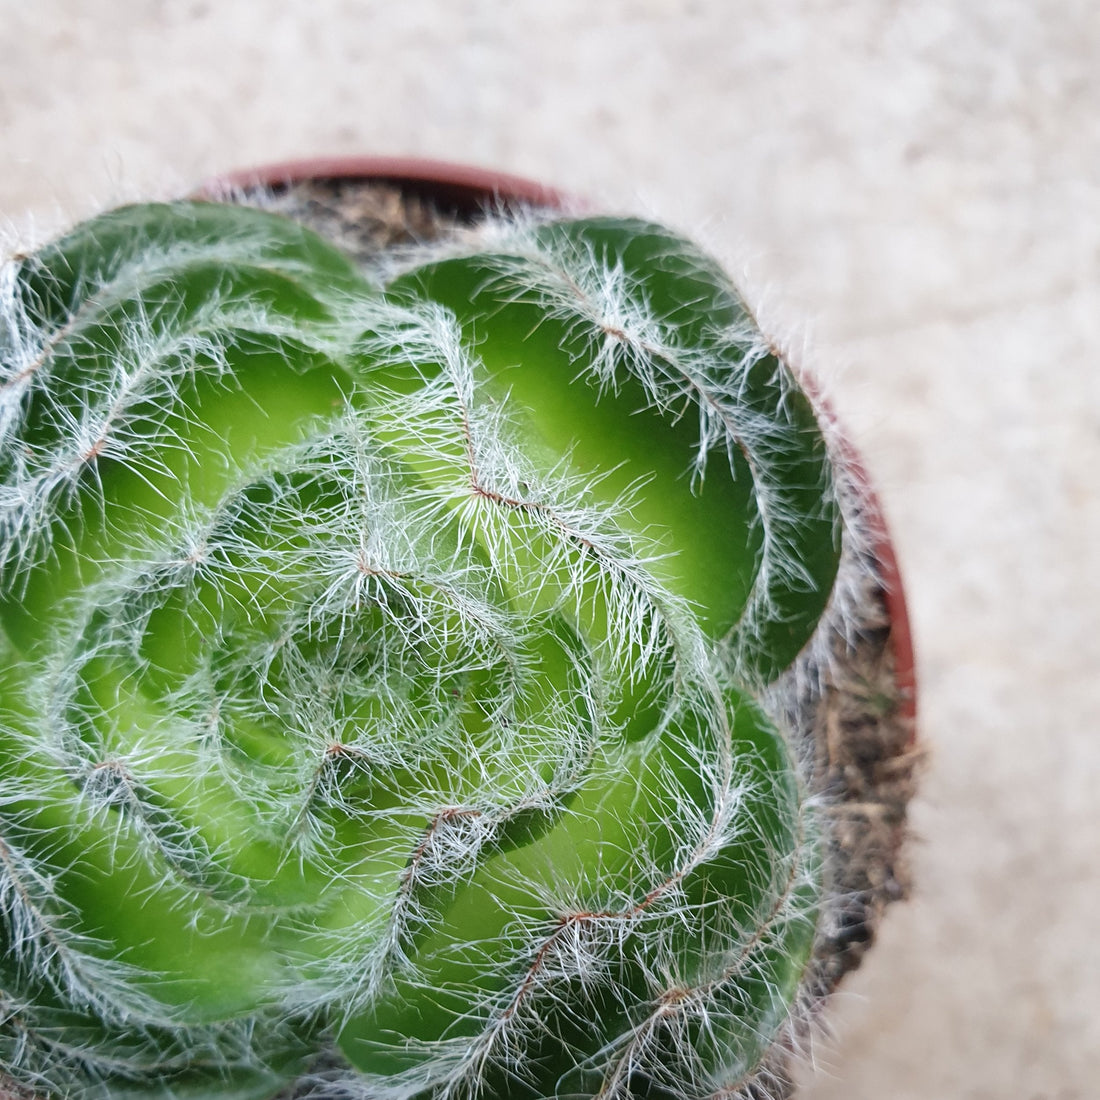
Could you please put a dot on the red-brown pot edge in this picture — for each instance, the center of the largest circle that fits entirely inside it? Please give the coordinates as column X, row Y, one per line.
column 463, row 187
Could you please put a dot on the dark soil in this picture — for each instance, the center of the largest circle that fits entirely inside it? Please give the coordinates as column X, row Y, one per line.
column 365, row 220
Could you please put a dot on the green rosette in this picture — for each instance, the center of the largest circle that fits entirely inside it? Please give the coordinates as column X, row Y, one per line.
column 382, row 665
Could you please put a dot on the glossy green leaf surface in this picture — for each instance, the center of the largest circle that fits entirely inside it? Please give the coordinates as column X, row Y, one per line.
column 379, row 664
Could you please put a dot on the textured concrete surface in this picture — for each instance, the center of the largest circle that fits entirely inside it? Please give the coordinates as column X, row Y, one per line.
column 915, row 186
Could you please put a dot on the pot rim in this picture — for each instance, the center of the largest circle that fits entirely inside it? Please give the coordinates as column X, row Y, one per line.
column 470, row 189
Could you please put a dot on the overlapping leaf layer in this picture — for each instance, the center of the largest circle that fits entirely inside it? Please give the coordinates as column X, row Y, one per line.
column 377, row 665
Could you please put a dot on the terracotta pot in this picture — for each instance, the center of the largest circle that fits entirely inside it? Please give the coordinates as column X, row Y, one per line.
column 466, row 191
column 454, row 188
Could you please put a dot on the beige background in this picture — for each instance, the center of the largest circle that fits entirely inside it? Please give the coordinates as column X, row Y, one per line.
column 915, row 185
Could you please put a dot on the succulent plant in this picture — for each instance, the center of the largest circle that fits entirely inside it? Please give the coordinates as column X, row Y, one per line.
column 384, row 666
